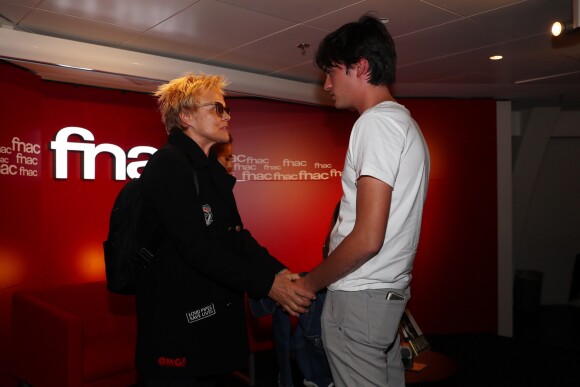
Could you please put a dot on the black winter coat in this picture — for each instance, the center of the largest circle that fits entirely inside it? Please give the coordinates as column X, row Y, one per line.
column 190, row 298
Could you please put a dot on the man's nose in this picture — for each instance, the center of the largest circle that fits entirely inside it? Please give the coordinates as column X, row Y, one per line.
column 327, row 83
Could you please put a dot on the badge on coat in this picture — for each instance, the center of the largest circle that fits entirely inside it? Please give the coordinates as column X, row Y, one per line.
column 207, row 214
column 201, row 313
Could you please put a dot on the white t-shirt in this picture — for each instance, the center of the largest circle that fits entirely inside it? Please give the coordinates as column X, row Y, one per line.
column 387, row 144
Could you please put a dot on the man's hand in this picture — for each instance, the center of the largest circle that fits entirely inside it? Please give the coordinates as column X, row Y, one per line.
column 289, row 275
column 303, row 282
column 294, row 299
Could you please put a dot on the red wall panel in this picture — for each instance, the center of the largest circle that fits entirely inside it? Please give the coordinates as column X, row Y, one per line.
column 455, row 274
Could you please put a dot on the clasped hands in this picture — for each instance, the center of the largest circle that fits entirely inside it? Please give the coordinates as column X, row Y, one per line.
column 289, row 294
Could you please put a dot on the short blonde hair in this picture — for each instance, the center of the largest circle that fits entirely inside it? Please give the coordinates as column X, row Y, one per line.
column 183, row 94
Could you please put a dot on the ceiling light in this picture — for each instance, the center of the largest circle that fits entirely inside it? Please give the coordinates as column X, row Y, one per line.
column 557, row 28
column 496, row 57
column 560, row 27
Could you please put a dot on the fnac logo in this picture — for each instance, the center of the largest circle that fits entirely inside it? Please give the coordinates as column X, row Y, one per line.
column 178, row 362
column 61, row 146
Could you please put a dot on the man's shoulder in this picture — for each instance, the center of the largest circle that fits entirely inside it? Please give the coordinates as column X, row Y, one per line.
column 389, row 109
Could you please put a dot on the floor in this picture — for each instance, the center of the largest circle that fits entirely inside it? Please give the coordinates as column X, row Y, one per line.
column 544, row 352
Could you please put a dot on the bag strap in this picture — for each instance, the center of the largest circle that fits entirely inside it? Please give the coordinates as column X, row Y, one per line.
column 183, row 156
column 146, row 254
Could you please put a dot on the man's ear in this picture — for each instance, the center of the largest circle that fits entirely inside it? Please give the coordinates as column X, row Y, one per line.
column 362, row 68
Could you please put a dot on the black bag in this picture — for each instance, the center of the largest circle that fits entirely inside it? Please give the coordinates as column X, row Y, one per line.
column 123, row 256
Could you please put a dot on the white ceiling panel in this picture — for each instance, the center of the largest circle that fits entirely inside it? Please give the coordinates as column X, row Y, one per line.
column 221, row 24
column 176, row 46
column 470, row 8
column 260, row 63
column 284, row 45
column 452, row 38
column 575, row 54
column 526, row 18
column 404, row 16
column 136, row 14
column 14, row 12
column 25, row 3
column 297, row 11
column 60, row 25
column 548, row 69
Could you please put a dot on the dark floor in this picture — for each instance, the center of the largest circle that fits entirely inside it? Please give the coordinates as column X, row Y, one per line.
column 544, row 352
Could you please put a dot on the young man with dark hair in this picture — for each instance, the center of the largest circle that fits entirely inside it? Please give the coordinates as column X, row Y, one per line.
column 374, row 241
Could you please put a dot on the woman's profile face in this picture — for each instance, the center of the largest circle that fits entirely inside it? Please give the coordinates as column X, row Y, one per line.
column 204, row 123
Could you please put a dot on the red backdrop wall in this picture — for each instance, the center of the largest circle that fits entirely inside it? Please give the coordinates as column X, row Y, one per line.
column 51, row 229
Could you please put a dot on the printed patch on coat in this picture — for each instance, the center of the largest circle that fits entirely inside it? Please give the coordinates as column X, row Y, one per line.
column 207, row 214
column 200, row 314
column 178, row 362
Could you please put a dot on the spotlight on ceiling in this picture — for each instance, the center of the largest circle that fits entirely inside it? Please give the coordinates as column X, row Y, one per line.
column 560, row 27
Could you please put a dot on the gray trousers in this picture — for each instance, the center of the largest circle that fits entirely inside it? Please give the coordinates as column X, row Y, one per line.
column 360, row 333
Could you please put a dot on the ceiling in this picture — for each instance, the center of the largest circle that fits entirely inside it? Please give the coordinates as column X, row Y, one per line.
column 443, row 45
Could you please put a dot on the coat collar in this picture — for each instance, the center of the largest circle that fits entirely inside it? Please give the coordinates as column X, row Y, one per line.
column 190, row 148
column 223, row 181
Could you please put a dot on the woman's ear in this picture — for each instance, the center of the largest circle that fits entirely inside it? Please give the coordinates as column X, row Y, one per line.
column 184, row 118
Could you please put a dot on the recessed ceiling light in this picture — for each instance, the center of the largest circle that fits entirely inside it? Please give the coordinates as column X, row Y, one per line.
column 496, row 57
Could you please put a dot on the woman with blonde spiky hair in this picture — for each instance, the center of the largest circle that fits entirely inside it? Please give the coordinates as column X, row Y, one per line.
column 190, row 292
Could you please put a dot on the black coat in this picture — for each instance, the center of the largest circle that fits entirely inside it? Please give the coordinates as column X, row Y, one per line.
column 190, row 298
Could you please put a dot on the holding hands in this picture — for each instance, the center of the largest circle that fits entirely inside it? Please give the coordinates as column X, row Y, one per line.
column 293, row 298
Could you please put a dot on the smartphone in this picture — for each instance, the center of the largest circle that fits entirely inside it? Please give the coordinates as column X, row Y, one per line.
column 394, row 296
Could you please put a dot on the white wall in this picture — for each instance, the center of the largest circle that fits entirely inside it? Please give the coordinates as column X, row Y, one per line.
column 546, row 196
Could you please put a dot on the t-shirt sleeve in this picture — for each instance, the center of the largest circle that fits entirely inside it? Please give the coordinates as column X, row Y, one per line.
column 377, row 145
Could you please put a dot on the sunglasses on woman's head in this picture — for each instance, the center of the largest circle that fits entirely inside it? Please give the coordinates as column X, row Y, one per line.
column 219, row 107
